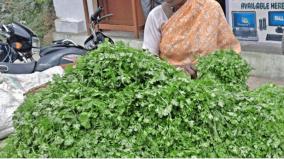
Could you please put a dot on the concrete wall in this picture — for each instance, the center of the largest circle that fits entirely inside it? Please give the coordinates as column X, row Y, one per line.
column 70, row 15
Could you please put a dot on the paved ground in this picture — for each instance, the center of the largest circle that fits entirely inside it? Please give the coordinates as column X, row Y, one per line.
column 255, row 82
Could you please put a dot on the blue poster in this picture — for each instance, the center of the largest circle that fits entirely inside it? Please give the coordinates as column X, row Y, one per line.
column 244, row 25
column 244, row 19
column 256, row 20
column 276, row 18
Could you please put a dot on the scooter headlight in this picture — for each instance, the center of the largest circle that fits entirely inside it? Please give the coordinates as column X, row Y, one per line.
column 35, row 45
column 35, row 42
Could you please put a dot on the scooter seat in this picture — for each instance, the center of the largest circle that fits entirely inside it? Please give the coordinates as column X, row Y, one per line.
column 55, row 58
column 50, row 49
column 17, row 68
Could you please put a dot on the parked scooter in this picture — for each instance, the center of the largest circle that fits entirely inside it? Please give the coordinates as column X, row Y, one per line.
column 22, row 44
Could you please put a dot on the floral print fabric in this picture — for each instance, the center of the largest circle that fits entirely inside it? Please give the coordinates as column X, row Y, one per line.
column 196, row 29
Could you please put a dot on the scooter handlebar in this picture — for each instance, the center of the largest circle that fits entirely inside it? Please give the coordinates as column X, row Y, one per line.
column 4, row 31
column 104, row 17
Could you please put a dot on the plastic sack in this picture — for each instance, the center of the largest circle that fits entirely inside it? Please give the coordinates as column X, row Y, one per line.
column 12, row 90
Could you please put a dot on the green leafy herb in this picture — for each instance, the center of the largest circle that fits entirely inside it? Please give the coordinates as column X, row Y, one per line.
column 123, row 102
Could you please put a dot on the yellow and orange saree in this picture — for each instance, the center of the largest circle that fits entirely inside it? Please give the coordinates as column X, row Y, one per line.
column 197, row 28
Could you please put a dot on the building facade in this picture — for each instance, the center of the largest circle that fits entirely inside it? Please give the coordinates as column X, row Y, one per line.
column 251, row 20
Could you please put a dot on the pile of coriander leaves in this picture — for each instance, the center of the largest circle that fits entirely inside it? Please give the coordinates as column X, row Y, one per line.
column 123, row 102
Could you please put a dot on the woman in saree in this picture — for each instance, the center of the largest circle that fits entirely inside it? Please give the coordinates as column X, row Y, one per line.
column 181, row 30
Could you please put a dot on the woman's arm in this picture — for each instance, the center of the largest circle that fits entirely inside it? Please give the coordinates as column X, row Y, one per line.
column 152, row 31
column 151, row 36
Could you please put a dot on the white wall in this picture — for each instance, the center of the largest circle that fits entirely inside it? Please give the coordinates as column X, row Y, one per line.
column 71, row 10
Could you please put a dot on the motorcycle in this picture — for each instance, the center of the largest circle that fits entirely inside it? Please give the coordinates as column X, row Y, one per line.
column 22, row 44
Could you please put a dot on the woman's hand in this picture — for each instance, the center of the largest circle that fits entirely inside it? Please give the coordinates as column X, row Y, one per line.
column 190, row 69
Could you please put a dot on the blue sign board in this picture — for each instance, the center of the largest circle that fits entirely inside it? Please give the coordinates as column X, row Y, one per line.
column 276, row 18
column 244, row 19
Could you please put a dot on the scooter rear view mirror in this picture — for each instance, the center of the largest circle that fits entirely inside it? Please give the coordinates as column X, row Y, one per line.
column 95, row 16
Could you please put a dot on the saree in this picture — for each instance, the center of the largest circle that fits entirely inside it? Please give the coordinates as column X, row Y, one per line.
column 196, row 29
